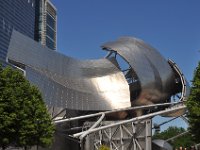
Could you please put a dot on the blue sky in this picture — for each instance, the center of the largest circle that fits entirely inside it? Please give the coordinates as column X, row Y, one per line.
column 171, row 26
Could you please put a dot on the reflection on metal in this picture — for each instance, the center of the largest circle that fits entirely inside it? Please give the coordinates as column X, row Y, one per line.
column 103, row 90
column 148, row 68
column 97, row 85
column 69, row 83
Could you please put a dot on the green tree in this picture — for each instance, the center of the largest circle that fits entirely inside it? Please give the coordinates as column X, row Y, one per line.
column 24, row 119
column 184, row 141
column 104, row 147
column 193, row 105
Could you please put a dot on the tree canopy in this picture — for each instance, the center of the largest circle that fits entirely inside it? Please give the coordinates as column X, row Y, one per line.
column 24, row 118
column 193, row 105
column 183, row 141
column 104, row 147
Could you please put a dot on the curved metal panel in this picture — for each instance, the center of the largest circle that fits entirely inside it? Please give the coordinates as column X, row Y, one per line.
column 69, row 83
column 154, row 73
column 97, row 85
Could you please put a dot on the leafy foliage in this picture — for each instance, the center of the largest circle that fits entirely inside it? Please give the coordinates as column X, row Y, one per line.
column 24, row 119
column 104, row 147
column 183, row 141
column 193, row 105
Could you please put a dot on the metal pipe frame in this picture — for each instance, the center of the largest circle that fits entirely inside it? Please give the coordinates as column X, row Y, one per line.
column 131, row 120
column 165, row 122
column 113, row 111
column 82, row 135
column 179, row 135
column 184, row 93
column 94, row 129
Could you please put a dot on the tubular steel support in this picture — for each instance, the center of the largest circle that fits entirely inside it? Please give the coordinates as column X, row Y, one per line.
column 184, row 93
column 83, row 134
column 134, row 119
column 179, row 135
column 125, row 132
column 57, row 121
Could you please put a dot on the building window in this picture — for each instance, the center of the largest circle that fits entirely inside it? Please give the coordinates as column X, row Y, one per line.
column 50, row 32
column 49, row 43
column 4, row 24
column 50, row 21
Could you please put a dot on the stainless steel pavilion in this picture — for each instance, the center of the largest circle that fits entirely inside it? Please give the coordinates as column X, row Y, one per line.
column 97, row 85
column 102, row 89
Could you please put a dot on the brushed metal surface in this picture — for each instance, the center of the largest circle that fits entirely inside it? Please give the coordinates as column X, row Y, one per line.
column 155, row 76
column 96, row 85
column 70, row 83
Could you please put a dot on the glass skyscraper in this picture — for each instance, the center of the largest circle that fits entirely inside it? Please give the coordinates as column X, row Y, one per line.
column 18, row 15
column 45, row 23
column 33, row 18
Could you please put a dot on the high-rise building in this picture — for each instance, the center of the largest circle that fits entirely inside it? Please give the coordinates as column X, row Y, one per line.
column 46, row 23
column 18, row 15
column 33, row 18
